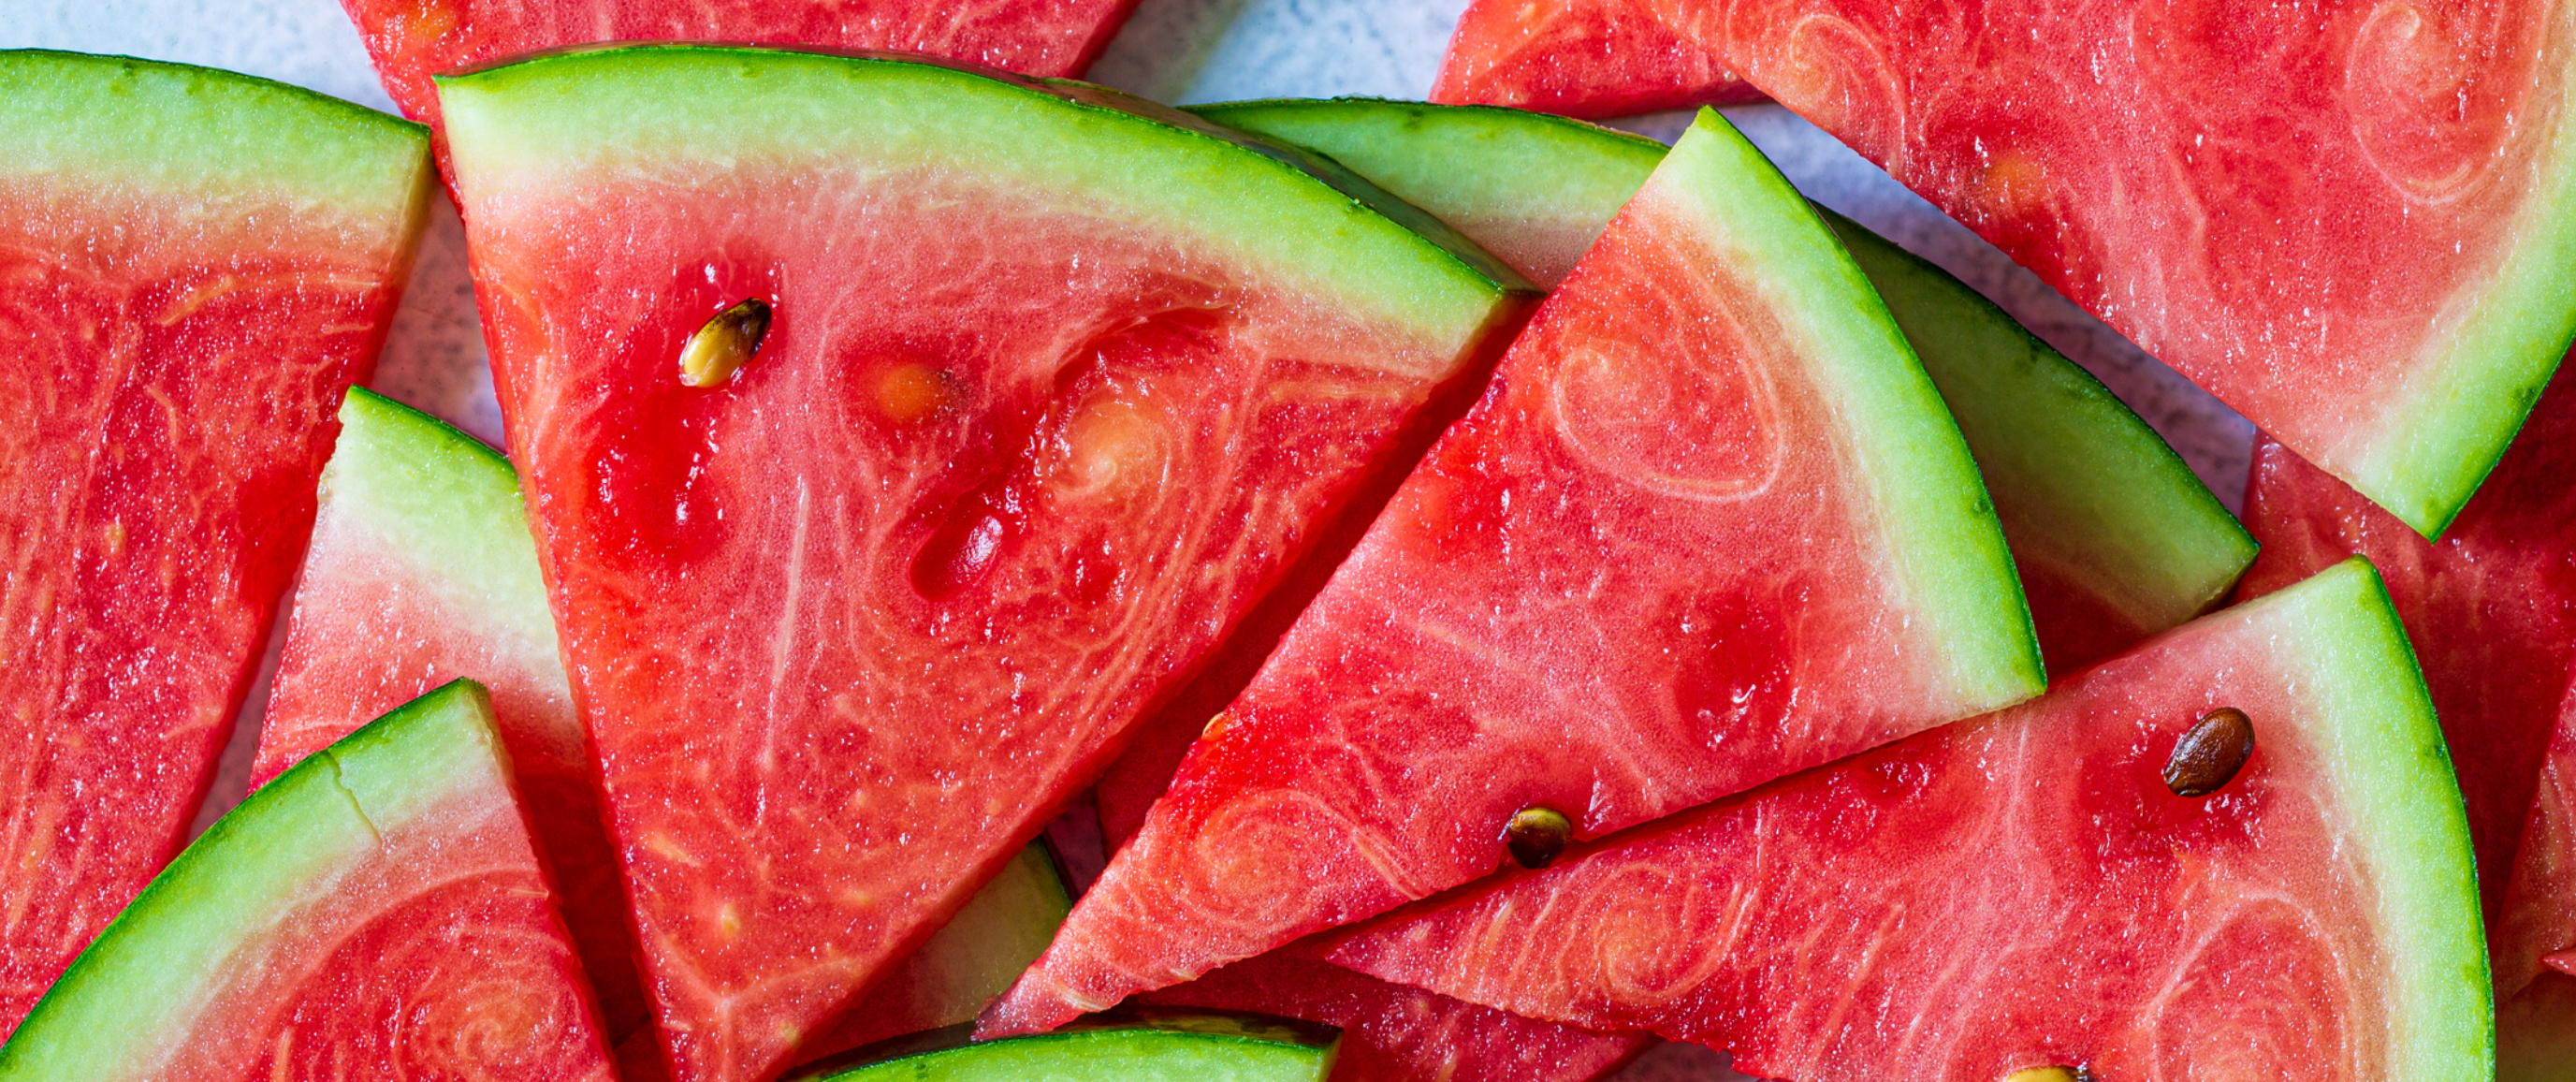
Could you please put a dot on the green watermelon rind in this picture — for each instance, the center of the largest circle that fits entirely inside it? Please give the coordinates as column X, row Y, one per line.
column 1451, row 159
column 161, row 127
column 1147, row 1044
column 1308, row 225
column 1910, row 463
column 2113, row 497
column 2399, row 798
column 2461, row 406
column 449, row 505
column 2118, row 507
column 142, row 982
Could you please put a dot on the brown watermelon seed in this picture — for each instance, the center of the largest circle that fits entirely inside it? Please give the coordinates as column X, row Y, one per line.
column 2208, row 757
column 1537, row 835
column 725, row 344
column 2050, row 1074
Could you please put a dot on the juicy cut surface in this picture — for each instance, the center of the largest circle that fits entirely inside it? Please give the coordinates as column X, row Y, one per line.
column 165, row 394
column 2024, row 890
column 848, row 628
column 1655, row 564
column 1587, row 58
column 412, row 40
column 2349, row 221
column 376, row 912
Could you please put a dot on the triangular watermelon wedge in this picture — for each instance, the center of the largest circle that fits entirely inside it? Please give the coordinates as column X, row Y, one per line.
column 2114, row 537
column 1587, row 58
column 375, row 913
column 193, row 266
column 412, row 40
column 422, row 570
column 2030, row 889
column 2354, row 223
column 1051, row 392
column 1709, row 525
column 2491, row 610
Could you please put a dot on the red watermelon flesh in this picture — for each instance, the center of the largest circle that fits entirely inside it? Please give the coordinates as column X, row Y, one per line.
column 412, row 40
column 1391, row 1033
column 2024, row 890
column 1586, row 58
column 1613, row 589
column 1053, row 394
column 376, row 913
column 193, row 267
column 2353, row 221
column 2491, row 610
column 420, row 571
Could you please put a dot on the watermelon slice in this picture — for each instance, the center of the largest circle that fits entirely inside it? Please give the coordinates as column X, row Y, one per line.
column 2491, row 609
column 2029, row 890
column 1710, row 525
column 1392, row 1033
column 193, row 266
column 377, row 912
column 412, row 40
column 1592, row 58
column 2354, row 222
column 1053, row 386
column 421, row 568
column 421, row 571
column 2113, row 535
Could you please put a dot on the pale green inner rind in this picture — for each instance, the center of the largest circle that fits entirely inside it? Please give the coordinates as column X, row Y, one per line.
column 2384, row 750
column 1113, row 1055
column 1960, row 591
column 1463, row 162
column 2079, row 481
column 109, row 120
column 541, row 128
column 999, row 933
column 2467, row 395
column 118, row 1012
column 449, row 504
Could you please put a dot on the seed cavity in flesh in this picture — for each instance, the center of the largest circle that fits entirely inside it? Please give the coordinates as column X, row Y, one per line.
column 725, row 344
column 1537, row 835
column 2208, row 757
column 2050, row 1074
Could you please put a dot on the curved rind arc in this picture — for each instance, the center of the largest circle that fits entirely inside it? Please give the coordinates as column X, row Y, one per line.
column 1340, row 221
column 143, row 981
column 1925, row 488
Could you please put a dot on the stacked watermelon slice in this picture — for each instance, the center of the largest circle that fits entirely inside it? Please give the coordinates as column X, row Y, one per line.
column 1470, row 685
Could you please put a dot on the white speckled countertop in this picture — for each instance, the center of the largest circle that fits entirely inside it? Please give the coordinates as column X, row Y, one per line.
column 1173, row 50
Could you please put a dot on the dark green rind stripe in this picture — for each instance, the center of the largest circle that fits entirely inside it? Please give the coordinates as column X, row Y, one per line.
column 118, row 1011
column 116, row 123
column 533, row 124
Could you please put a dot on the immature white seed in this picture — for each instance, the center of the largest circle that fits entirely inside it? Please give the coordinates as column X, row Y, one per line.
column 725, row 344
